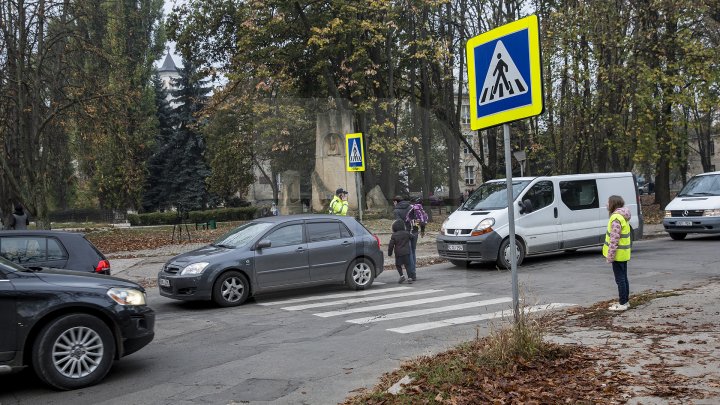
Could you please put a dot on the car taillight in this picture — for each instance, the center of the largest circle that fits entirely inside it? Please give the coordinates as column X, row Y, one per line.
column 378, row 241
column 103, row 266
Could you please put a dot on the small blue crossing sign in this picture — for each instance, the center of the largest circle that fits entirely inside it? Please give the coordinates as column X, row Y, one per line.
column 354, row 153
column 504, row 74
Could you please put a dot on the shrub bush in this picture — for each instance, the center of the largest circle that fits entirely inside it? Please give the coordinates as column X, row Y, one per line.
column 169, row 218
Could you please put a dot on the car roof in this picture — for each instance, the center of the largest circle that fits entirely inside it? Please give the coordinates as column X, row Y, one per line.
column 40, row 232
column 298, row 217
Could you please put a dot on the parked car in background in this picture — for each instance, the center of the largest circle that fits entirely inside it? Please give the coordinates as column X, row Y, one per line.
column 62, row 250
column 275, row 253
column 696, row 209
column 69, row 326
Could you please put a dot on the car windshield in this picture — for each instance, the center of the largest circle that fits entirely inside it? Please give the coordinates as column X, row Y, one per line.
column 242, row 235
column 492, row 196
column 702, row 185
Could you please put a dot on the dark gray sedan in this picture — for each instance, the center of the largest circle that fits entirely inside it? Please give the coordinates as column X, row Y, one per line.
column 275, row 253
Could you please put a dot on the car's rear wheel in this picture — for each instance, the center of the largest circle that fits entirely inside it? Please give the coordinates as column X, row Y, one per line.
column 360, row 274
column 678, row 236
column 230, row 289
column 73, row 351
column 504, row 257
column 460, row 263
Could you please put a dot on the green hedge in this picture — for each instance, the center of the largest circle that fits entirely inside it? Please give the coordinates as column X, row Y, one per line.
column 169, row 218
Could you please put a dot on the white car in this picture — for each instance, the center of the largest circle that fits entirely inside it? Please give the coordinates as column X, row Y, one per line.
column 696, row 209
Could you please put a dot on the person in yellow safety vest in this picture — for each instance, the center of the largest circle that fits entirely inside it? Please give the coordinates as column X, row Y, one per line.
column 339, row 204
column 617, row 248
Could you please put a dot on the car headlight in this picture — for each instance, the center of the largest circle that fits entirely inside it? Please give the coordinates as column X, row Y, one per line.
column 668, row 214
column 195, row 268
column 711, row 213
column 442, row 227
column 485, row 226
column 127, row 296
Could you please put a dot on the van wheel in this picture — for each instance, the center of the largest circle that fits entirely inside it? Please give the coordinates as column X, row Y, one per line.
column 73, row 351
column 678, row 236
column 503, row 259
column 360, row 274
column 460, row 263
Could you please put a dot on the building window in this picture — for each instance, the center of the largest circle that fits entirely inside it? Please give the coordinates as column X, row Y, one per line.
column 469, row 140
column 465, row 114
column 469, row 175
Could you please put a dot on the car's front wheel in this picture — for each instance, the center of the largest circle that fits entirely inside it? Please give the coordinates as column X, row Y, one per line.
column 504, row 257
column 230, row 289
column 678, row 236
column 360, row 274
column 73, row 351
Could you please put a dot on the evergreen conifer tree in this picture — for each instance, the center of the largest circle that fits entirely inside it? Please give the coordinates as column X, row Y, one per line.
column 157, row 184
column 186, row 169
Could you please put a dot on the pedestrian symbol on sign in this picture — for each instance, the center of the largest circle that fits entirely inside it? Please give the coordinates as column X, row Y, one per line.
column 355, row 156
column 503, row 79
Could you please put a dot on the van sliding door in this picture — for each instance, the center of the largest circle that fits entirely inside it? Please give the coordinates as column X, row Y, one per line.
column 579, row 213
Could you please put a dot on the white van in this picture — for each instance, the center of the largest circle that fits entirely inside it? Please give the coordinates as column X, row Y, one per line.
column 552, row 213
column 696, row 209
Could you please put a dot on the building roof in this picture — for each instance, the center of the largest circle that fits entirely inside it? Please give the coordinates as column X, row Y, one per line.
column 168, row 65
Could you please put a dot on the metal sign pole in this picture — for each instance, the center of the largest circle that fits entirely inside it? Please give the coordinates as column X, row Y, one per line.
column 358, row 188
column 511, row 224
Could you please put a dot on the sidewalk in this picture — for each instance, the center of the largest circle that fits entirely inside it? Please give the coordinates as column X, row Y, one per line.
column 664, row 350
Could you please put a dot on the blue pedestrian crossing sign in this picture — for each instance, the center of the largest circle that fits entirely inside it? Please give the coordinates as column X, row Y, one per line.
column 504, row 74
column 354, row 153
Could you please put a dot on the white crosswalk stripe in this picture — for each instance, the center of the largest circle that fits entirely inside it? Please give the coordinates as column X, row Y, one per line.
column 359, row 300
column 333, row 296
column 394, row 305
column 421, row 312
column 472, row 318
column 356, row 302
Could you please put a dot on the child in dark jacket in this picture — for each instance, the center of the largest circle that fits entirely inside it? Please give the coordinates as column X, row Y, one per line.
column 401, row 243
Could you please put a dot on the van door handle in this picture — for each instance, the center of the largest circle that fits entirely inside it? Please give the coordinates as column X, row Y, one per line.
column 555, row 210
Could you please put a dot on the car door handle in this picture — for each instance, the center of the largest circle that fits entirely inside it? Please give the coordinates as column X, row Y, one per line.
column 300, row 249
column 555, row 210
column 346, row 243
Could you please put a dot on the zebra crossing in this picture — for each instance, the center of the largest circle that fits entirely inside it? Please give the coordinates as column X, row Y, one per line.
column 386, row 303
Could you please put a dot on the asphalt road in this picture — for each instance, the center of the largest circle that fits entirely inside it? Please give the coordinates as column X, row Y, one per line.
column 307, row 351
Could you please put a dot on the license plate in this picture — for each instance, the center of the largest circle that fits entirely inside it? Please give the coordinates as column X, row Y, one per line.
column 684, row 223
column 455, row 247
column 164, row 282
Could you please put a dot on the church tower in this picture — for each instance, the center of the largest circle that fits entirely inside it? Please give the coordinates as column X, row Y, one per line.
column 167, row 72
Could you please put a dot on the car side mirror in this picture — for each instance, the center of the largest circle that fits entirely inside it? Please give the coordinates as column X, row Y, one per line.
column 526, row 206
column 265, row 243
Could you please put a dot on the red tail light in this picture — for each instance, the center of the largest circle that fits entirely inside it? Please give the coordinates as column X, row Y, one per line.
column 378, row 241
column 103, row 267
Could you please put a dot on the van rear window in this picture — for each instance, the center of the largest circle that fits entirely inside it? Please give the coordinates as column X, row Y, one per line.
column 579, row 194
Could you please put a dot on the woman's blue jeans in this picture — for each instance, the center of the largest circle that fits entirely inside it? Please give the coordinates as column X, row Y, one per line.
column 620, row 270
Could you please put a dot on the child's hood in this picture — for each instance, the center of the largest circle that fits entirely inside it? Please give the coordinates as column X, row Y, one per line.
column 398, row 225
column 624, row 211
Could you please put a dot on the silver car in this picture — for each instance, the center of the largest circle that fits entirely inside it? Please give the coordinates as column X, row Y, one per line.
column 275, row 253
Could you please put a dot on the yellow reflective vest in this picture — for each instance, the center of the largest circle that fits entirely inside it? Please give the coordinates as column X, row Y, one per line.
column 622, row 254
column 338, row 206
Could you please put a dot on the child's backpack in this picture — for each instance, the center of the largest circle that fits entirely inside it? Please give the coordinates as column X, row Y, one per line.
column 416, row 215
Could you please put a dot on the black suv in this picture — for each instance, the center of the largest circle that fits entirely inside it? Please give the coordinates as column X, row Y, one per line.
column 62, row 250
column 69, row 326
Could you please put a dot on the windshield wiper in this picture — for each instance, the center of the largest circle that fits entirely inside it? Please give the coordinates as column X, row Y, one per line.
column 703, row 193
column 224, row 246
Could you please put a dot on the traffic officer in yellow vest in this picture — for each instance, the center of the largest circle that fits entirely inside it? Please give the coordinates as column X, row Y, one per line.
column 339, row 204
column 617, row 248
